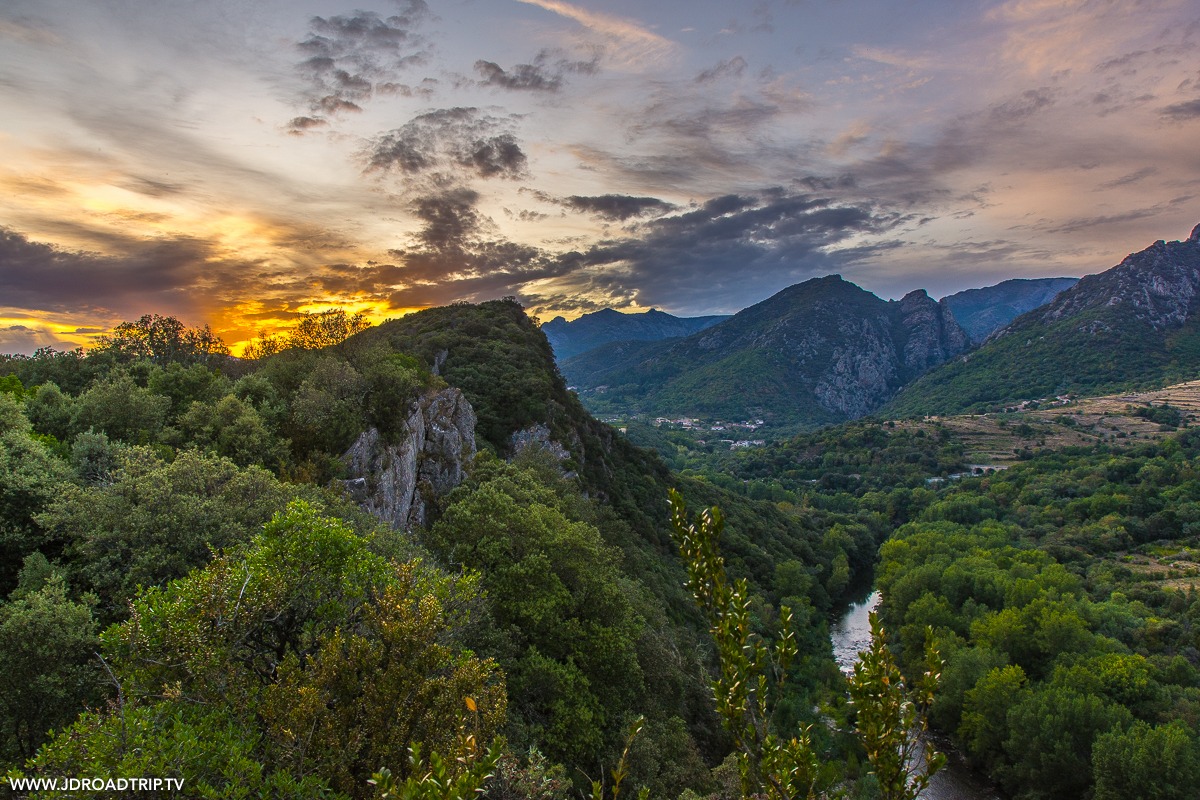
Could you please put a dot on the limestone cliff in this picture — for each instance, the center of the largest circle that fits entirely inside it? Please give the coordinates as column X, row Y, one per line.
column 394, row 481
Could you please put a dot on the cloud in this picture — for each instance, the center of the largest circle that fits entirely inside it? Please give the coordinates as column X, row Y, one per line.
column 1022, row 107
column 457, row 140
column 547, row 73
column 1133, row 177
column 24, row 340
column 28, row 31
column 1181, row 112
column 348, row 59
column 730, row 68
column 611, row 207
column 630, row 42
column 522, row 77
column 731, row 251
column 40, row 276
column 299, row 125
column 618, row 207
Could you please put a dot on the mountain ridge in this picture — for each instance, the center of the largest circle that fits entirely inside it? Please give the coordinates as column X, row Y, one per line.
column 568, row 339
column 820, row 351
column 1135, row 325
column 983, row 311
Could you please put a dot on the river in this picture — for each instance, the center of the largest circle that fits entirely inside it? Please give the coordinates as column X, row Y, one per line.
column 851, row 634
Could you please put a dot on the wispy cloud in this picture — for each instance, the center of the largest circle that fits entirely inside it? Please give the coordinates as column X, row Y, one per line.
column 631, row 43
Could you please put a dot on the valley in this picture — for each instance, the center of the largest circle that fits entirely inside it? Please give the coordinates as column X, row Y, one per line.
column 258, row 545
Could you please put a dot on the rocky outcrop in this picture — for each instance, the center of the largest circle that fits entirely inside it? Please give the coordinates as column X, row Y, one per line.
column 931, row 334
column 1159, row 286
column 396, row 480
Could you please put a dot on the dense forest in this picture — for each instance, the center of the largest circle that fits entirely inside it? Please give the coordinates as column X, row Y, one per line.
column 191, row 591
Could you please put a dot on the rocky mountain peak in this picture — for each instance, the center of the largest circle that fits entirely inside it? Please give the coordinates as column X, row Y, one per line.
column 1158, row 285
column 931, row 334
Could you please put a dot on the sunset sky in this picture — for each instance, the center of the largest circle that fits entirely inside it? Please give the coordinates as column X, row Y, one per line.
column 235, row 163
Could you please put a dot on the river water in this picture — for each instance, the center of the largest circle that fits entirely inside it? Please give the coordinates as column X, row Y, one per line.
column 851, row 634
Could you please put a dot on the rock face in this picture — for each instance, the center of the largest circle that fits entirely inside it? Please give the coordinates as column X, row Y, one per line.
column 931, row 333
column 395, row 481
column 1159, row 286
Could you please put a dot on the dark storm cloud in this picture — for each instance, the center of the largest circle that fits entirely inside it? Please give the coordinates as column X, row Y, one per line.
column 547, row 73
column 732, row 250
column 736, row 245
column 39, row 276
column 618, row 207
column 1181, row 112
column 348, row 59
column 456, row 140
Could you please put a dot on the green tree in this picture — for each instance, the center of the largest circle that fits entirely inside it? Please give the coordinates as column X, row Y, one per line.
column 120, row 408
column 152, row 521
column 51, row 411
column 163, row 340
column 890, row 718
column 233, row 428
column 30, row 478
column 750, row 669
column 1160, row 762
column 568, row 631
column 1049, row 746
column 312, row 659
column 47, row 665
column 327, row 409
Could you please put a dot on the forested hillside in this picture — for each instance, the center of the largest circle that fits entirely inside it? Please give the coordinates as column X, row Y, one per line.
column 1063, row 592
column 819, row 352
column 181, row 513
column 1130, row 327
column 192, row 587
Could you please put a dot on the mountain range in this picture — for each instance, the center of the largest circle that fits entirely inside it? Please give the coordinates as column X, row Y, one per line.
column 981, row 312
column 601, row 327
column 826, row 350
column 820, row 351
column 1132, row 326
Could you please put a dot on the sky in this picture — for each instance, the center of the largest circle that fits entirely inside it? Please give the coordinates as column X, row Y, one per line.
column 239, row 163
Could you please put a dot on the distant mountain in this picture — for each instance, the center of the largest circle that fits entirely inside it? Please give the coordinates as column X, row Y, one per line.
column 820, row 351
column 1135, row 325
column 981, row 312
column 592, row 330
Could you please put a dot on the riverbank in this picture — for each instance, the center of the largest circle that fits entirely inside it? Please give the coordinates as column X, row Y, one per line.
column 850, row 635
